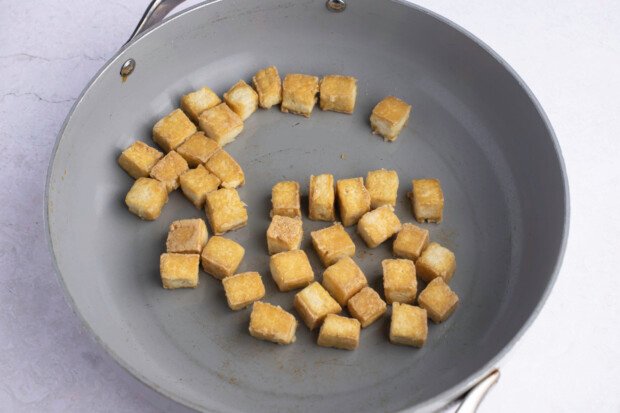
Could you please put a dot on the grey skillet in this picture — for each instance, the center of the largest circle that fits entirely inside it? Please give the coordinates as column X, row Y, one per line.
column 474, row 125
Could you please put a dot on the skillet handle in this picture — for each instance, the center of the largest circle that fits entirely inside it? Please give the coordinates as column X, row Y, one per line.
column 154, row 13
column 472, row 399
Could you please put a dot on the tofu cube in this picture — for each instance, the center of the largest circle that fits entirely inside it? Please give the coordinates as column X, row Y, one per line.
column 179, row 270
column 271, row 323
column 285, row 199
column 436, row 261
column 410, row 241
column 408, row 325
column 427, row 200
column 195, row 103
column 353, row 200
column 187, row 236
column 224, row 166
column 221, row 124
column 197, row 183
column 339, row 332
column 291, row 270
column 378, row 225
column 338, row 93
column 399, row 281
column 367, row 306
column 438, row 300
column 382, row 185
column 172, row 130
column 344, row 279
column 146, row 198
column 197, row 149
column 221, row 257
column 299, row 94
column 314, row 303
column 168, row 170
column 225, row 210
column 139, row 159
column 284, row 234
column 321, row 198
column 269, row 87
column 243, row 289
column 389, row 117
column 332, row 243
column 242, row 99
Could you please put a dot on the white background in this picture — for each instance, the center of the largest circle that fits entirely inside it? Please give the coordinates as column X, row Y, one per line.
column 568, row 52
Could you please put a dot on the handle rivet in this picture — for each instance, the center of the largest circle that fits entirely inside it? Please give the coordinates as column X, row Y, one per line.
column 128, row 67
column 336, row 5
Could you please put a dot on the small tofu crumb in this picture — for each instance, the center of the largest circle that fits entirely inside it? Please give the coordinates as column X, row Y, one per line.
column 284, row 234
column 225, row 210
column 332, row 243
column 408, row 326
column 243, row 289
column 179, row 270
column 321, row 198
column 197, row 149
column 269, row 87
column 168, row 170
column 271, row 323
column 344, row 279
column 353, row 200
column 146, row 198
column 187, row 236
column 438, row 300
column 339, row 332
column 436, row 261
column 314, row 303
column 197, row 183
column 367, row 306
column 338, row 93
column 242, row 99
column 172, row 130
column 382, row 186
column 389, row 117
column 399, row 281
column 221, row 124
column 221, row 257
column 285, row 199
column 410, row 242
column 299, row 94
column 226, row 168
column 291, row 270
column 427, row 200
column 138, row 159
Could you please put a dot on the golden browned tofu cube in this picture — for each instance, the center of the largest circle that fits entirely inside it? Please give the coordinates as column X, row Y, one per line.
column 221, row 257
column 410, row 241
column 339, row 332
column 332, row 243
column 269, row 87
column 243, row 289
column 321, row 198
column 146, row 198
column 195, row 103
column 225, row 210
column 338, row 93
column 382, row 186
column 427, row 200
column 353, row 200
column 187, row 236
column 299, row 94
column 408, row 325
column 226, row 169
column 197, row 183
column 378, row 225
column 367, row 306
column 399, row 282
column 139, row 159
column 221, row 124
column 172, row 130
column 291, row 270
column 438, row 300
column 197, row 149
column 389, row 117
column 284, row 234
column 242, row 99
column 271, row 323
column 168, row 170
column 436, row 261
column 285, row 199
column 179, row 270
column 313, row 303
column 344, row 279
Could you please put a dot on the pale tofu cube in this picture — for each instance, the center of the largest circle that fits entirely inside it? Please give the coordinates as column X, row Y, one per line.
column 138, row 159
column 284, row 234
column 353, row 200
column 291, row 270
column 410, row 241
column 338, row 93
column 242, row 99
column 332, row 243
column 389, row 117
column 314, row 303
column 285, row 199
column 382, row 186
column 226, row 168
column 339, row 332
column 195, row 103
column 243, row 289
column 271, row 323
column 436, row 261
column 408, row 325
column 221, row 257
column 146, row 198
column 344, row 279
column 172, row 130
column 269, row 87
column 179, row 270
column 299, row 94
column 197, row 149
column 321, row 198
column 378, row 225
column 225, row 210
column 399, row 281
column 168, row 170
column 438, row 300
column 221, row 124
column 427, row 200
column 197, row 183
column 187, row 236
column 367, row 306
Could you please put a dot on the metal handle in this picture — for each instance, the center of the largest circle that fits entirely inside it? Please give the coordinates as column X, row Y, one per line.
column 154, row 13
column 473, row 397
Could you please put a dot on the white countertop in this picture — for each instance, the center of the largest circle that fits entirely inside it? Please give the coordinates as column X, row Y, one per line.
column 568, row 52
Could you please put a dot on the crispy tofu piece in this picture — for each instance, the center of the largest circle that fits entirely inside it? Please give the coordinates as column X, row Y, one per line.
column 242, row 99
column 285, row 199
column 389, row 117
column 438, row 300
column 172, row 130
column 225, row 210
column 284, row 234
column 399, row 281
column 367, row 306
column 187, row 236
column 313, row 303
column 353, row 200
column 337, row 93
column 243, row 289
column 299, row 94
column 138, row 159
column 378, row 225
column 197, row 183
column 321, row 198
column 179, row 270
column 271, row 323
column 269, row 87
column 339, row 332
column 197, row 149
column 146, row 198
column 221, row 257
column 196, row 102
column 382, row 185
column 332, row 243
column 168, row 170
column 344, row 279
column 436, row 261
column 408, row 325
column 291, row 270
column 427, row 200
column 226, row 169
column 410, row 241
column 221, row 124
